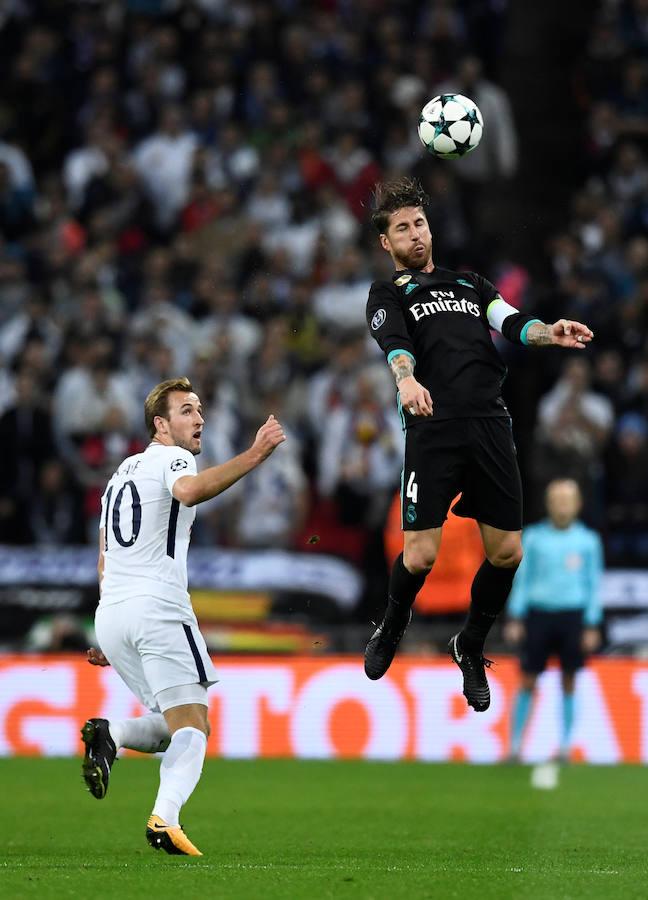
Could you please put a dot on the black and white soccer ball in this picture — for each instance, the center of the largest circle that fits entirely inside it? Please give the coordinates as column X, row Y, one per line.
column 450, row 126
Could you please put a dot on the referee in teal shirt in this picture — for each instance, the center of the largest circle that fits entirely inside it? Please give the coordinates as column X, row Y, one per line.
column 554, row 606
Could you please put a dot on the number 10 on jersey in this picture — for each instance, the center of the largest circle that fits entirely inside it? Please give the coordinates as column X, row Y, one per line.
column 136, row 507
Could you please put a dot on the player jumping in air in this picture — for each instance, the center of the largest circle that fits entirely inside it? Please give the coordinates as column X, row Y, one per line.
column 458, row 430
column 145, row 624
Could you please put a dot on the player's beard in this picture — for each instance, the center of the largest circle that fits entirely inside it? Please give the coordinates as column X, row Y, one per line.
column 186, row 445
column 412, row 260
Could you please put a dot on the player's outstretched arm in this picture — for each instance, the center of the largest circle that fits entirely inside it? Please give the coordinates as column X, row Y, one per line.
column 193, row 489
column 414, row 397
column 563, row 333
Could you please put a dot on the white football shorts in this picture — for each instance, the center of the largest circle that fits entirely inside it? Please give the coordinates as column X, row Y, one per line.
column 153, row 645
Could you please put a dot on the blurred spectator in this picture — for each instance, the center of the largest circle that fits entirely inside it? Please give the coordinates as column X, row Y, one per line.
column 272, row 374
column 27, row 443
column 262, row 91
column 146, row 362
column 341, row 302
column 333, row 386
column 628, row 178
column 164, row 161
column 355, row 170
column 339, row 228
column 637, row 388
column 33, row 320
column 224, row 320
column 360, row 453
column 574, row 423
column 21, row 175
column 299, row 238
column 630, row 97
column 304, row 338
column 89, row 161
column 55, row 516
column 271, row 507
column 633, row 24
column 91, row 398
column 115, row 204
column 268, row 205
column 94, row 316
column 627, row 492
column 165, row 50
column 572, row 416
column 171, row 325
column 233, row 162
column 609, row 377
column 16, row 207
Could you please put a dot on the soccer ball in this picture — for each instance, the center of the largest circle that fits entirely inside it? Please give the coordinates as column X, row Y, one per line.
column 450, row 125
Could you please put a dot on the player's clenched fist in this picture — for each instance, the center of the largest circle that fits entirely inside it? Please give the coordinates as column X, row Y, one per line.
column 269, row 436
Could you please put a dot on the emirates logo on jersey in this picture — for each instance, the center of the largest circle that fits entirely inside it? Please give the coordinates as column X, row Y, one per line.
column 440, row 304
column 178, row 464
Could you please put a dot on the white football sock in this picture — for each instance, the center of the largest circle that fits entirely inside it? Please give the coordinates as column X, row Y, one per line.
column 179, row 773
column 148, row 734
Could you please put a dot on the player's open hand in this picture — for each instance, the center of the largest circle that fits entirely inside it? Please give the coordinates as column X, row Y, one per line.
column 414, row 397
column 567, row 333
column 96, row 657
column 269, row 436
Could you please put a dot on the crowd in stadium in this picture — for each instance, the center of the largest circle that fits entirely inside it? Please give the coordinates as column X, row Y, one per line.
column 184, row 189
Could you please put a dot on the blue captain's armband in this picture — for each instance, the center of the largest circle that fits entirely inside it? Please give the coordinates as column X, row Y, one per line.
column 523, row 333
column 394, row 353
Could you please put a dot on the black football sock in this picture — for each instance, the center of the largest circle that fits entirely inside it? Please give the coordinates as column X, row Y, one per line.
column 490, row 589
column 403, row 586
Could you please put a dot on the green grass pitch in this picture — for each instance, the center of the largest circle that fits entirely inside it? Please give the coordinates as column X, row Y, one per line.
column 292, row 829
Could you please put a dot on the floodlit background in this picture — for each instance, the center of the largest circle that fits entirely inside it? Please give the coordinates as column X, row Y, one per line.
column 184, row 189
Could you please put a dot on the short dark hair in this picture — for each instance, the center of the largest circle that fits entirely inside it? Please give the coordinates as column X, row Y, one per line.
column 390, row 196
column 157, row 402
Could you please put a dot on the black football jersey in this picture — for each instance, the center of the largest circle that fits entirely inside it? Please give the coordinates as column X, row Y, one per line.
column 440, row 319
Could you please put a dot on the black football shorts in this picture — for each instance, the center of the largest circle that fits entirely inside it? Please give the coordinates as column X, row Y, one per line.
column 552, row 634
column 475, row 457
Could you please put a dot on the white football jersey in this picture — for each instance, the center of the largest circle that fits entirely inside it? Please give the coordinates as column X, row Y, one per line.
column 146, row 530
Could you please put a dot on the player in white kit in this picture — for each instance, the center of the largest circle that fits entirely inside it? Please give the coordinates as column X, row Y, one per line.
column 145, row 623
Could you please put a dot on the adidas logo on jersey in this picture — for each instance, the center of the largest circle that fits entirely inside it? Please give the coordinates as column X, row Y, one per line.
column 441, row 304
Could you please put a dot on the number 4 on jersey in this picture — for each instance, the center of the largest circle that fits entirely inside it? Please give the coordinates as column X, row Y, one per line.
column 412, row 488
